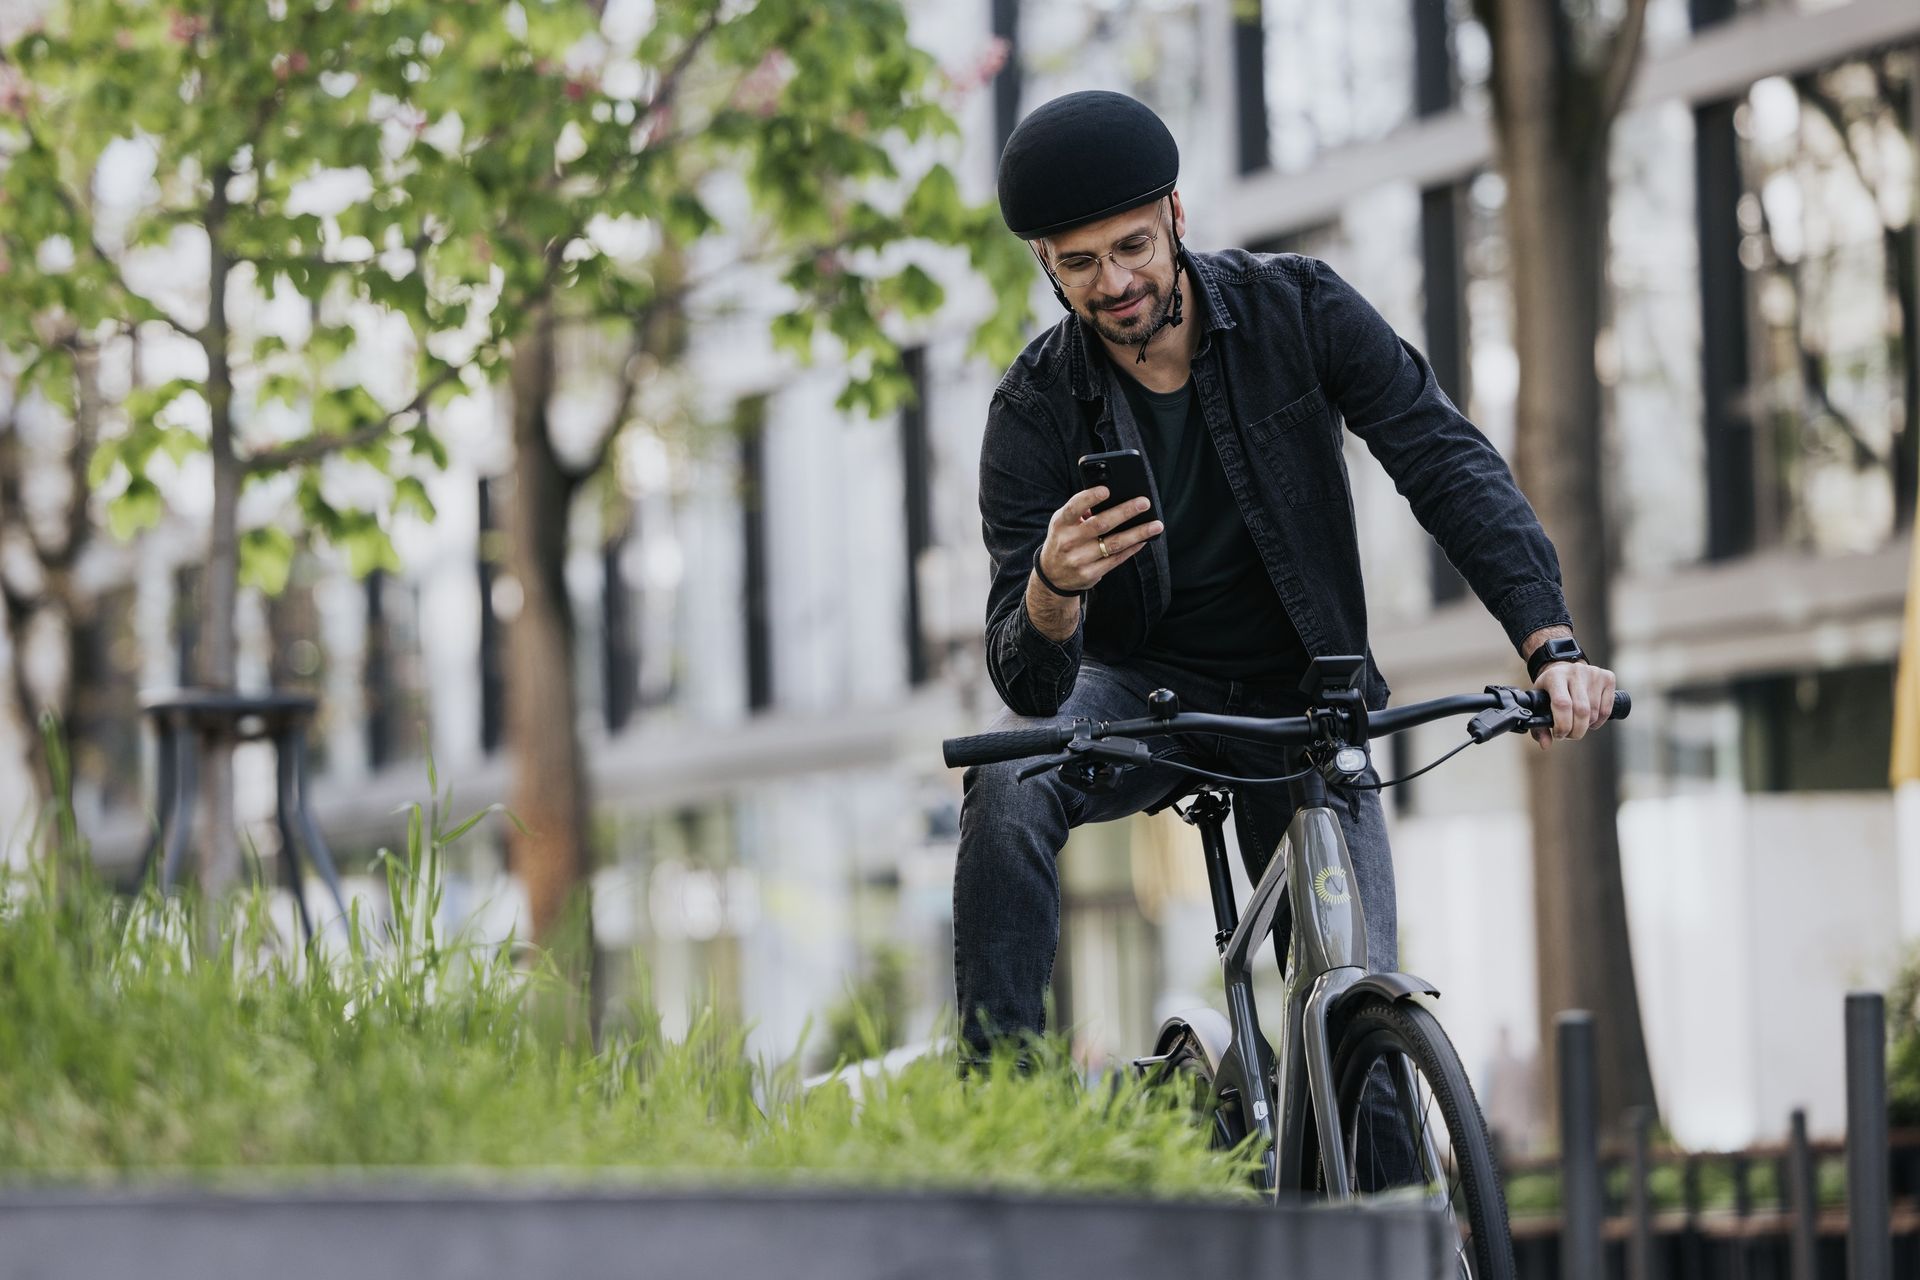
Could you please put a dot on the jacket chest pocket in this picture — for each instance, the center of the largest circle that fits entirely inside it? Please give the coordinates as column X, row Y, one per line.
column 1298, row 444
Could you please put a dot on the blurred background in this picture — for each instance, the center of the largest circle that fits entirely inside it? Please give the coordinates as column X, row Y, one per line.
column 776, row 601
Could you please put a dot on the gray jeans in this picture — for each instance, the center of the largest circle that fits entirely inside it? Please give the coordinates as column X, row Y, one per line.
column 1006, row 882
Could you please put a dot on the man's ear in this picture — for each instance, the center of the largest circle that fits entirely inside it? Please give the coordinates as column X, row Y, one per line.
column 1052, row 279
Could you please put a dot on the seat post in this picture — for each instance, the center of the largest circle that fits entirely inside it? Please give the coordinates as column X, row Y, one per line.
column 1208, row 812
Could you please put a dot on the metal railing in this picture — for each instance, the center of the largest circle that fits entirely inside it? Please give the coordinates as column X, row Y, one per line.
column 1801, row 1209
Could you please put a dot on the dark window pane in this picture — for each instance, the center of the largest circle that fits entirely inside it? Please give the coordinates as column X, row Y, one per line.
column 916, row 465
column 104, row 729
column 394, row 681
column 754, row 577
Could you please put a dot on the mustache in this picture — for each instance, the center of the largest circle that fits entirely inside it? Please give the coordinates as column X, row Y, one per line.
column 1126, row 302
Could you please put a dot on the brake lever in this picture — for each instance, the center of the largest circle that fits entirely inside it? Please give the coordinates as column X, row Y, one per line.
column 1039, row 767
column 1125, row 752
column 1511, row 716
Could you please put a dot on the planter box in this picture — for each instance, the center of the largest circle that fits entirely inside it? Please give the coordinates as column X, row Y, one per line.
column 416, row 1231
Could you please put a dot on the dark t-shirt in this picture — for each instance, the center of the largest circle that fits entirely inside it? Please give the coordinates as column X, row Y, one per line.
column 1225, row 618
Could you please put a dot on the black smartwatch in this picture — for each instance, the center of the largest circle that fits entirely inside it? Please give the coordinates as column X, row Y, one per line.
column 1558, row 649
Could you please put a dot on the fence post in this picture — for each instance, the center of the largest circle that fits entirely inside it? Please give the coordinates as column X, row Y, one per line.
column 1694, row 1254
column 1869, row 1226
column 1640, row 1200
column 1580, row 1257
column 1803, row 1258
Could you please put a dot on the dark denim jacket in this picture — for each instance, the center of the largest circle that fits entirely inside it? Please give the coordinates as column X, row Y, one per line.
column 1288, row 350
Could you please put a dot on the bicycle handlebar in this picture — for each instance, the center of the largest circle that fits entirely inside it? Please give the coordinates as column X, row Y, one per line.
column 1007, row 744
column 1299, row 731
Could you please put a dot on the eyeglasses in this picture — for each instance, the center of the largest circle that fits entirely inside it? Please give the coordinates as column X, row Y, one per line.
column 1078, row 270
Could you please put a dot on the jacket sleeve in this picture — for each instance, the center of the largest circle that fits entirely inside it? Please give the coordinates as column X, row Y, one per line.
column 1459, row 487
column 1024, row 479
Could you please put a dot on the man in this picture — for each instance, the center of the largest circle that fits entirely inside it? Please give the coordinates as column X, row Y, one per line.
column 1231, row 372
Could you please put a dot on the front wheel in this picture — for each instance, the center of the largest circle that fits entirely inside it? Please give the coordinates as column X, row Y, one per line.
column 1408, row 1119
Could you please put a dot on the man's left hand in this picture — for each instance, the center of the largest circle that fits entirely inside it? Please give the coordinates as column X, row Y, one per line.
column 1582, row 699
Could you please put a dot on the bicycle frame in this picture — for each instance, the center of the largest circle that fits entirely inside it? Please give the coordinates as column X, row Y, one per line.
column 1311, row 873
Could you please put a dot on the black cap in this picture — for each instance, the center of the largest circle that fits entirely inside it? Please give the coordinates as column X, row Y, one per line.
column 1081, row 158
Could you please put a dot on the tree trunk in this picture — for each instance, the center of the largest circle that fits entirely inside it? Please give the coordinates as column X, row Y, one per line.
column 1554, row 156
column 40, row 611
column 219, row 643
column 550, row 856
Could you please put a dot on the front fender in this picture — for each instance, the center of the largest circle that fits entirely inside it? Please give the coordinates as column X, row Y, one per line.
column 1388, row 986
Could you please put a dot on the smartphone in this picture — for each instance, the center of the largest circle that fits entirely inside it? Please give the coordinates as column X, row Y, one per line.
column 1124, row 473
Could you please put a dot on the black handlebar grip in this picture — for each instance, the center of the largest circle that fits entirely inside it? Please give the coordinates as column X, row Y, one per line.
column 1008, row 744
column 1543, row 705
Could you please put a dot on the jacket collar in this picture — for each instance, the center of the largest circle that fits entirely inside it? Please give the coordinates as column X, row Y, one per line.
column 1087, row 375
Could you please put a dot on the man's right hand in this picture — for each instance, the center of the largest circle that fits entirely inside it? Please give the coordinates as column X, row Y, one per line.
column 1081, row 548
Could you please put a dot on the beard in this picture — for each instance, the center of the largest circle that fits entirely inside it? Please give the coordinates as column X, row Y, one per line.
column 1129, row 329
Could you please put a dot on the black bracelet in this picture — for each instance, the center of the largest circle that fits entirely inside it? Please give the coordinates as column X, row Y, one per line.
column 1045, row 582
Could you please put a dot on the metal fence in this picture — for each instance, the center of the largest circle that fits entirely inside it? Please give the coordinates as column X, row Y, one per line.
column 1798, row 1210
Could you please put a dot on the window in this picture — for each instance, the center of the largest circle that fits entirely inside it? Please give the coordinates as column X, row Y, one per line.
column 916, row 465
column 393, row 675
column 619, row 643
column 1649, row 353
column 104, row 732
column 756, row 602
column 1444, row 311
column 1334, row 75
column 493, row 681
column 1828, row 730
column 1826, row 250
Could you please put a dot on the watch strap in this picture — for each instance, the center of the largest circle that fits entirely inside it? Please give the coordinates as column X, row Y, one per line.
column 1558, row 649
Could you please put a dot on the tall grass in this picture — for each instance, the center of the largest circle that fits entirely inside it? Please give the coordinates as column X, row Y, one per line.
column 151, row 1035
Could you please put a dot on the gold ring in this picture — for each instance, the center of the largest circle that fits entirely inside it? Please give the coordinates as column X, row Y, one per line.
column 1104, row 553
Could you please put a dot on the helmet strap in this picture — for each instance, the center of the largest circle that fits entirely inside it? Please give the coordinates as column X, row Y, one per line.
column 1173, row 316
column 1052, row 279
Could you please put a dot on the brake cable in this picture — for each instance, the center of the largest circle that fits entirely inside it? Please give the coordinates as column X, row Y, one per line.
column 1409, row 777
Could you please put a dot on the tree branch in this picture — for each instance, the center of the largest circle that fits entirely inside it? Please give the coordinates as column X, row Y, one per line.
column 662, row 100
column 313, row 448
column 617, row 416
column 1622, row 58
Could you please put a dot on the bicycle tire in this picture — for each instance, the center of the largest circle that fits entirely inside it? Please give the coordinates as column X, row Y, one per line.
column 1187, row 1065
column 1369, row 1033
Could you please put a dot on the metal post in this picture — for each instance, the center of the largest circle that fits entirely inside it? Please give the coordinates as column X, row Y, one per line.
column 1639, row 1202
column 1742, row 1242
column 1869, row 1226
column 1693, row 1257
column 1580, row 1257
column 1803, row 1257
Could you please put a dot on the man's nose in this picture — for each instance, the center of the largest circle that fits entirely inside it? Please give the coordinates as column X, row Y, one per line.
column 1126, row 277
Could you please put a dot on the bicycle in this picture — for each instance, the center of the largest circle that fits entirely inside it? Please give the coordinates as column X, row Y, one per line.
column 1347, row 1031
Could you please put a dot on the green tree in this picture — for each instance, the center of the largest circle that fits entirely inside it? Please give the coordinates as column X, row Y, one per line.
column 473, row 177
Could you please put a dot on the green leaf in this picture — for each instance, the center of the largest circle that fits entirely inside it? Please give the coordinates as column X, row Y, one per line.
column 793, row 333
column 409, row 494
column 137, row 507
column 368, row 548
column 266, row 558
